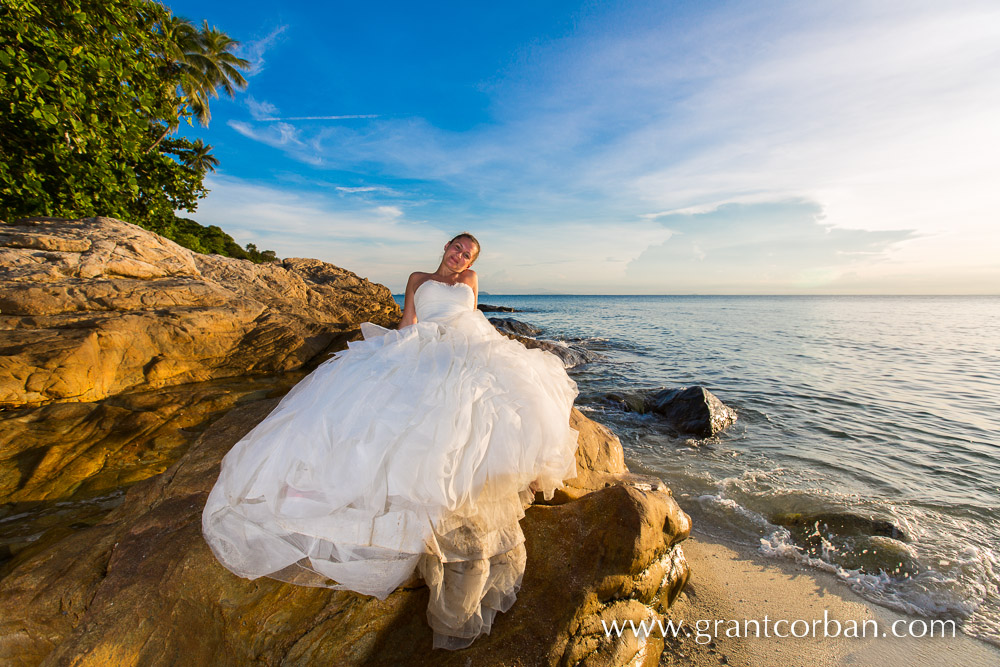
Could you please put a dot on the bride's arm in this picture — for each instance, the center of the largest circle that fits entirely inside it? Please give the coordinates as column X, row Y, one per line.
column 409, row 312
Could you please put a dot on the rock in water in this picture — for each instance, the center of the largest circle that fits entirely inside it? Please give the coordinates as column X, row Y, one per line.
column 693, row 410
column 510, row 325
column 630, row 401
column 571, row 355
column 841, row 523
column 487, row 308
column 94, row 307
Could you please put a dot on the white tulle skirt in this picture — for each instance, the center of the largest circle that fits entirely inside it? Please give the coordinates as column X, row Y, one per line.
column 412, row 450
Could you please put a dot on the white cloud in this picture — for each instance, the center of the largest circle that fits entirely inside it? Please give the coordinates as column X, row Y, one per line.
column 378, row 242
column 383, row 243
column 348, row 117
column 364, row 188
column 260, row 110
column 278, row 135
column 254, row 50
column 390, row 212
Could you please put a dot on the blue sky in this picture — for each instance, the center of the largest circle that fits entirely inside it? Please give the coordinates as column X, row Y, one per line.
column 619, row 147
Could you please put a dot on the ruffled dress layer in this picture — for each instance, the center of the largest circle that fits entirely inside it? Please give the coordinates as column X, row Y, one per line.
column 411, row 450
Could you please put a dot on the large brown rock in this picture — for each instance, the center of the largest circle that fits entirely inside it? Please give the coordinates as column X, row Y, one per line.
column 63, row 466
column 142, row 587
column 102, row 325
column 94, row 307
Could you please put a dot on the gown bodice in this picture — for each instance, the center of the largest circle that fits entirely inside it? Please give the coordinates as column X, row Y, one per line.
column 435, row 301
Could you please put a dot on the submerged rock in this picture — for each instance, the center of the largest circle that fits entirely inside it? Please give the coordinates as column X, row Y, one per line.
column 687, row 410
column 841, row 523
column 630, row 402
column 142, row 587
column 852, row 541
column 94, row 307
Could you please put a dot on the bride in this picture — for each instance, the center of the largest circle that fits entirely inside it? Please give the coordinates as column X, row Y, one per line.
column 414, row 450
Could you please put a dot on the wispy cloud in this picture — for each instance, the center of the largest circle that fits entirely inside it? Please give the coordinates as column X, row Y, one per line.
column 376, row 240
column 348, row 117
column 385, row 242
column 260, row 110
column 365, row 188
column 280, row 135
column 783, row 247
column 254, row 50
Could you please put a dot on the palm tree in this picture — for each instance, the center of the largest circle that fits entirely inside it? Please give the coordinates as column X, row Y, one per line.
column 199, row 157
column 214, row 67
column 204, row 63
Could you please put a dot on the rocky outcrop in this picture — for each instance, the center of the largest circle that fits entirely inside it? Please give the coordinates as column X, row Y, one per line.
column 524, row 333
column 687, row 410
column 64, row 466
column 142, row 587
column 570, row 355
column 511, row 326
column 94, row 307
column 108, row 452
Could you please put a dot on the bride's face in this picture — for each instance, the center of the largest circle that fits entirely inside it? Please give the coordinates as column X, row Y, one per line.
column 458, row 254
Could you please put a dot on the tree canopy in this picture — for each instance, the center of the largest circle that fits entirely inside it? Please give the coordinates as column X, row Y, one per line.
column 90, row 91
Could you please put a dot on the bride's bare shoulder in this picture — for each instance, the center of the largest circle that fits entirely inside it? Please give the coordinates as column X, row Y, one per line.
column 416, row 279
column 470, row 278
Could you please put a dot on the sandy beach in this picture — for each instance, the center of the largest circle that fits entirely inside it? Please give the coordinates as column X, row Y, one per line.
column 731, row 583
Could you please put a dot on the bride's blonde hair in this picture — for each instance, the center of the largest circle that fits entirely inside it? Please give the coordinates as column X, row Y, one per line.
column 467, row 235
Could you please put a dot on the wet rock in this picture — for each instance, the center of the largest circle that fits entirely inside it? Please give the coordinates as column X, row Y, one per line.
column 852, row 541
column 691, row 410
column 95, row 307
column 487, row 308
column 630, row 402
column 512, row 326
column 570, row 355
column 142, row 587
column 841, row 523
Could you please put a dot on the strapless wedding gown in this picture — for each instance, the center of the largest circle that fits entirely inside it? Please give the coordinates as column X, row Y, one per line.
column 412, row 450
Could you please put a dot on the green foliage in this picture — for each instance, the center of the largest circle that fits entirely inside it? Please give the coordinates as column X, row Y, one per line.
column 89, row 91
column 211, row 240
column 85, row 94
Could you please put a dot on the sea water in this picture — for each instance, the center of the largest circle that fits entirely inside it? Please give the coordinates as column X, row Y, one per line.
column 868, row 434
